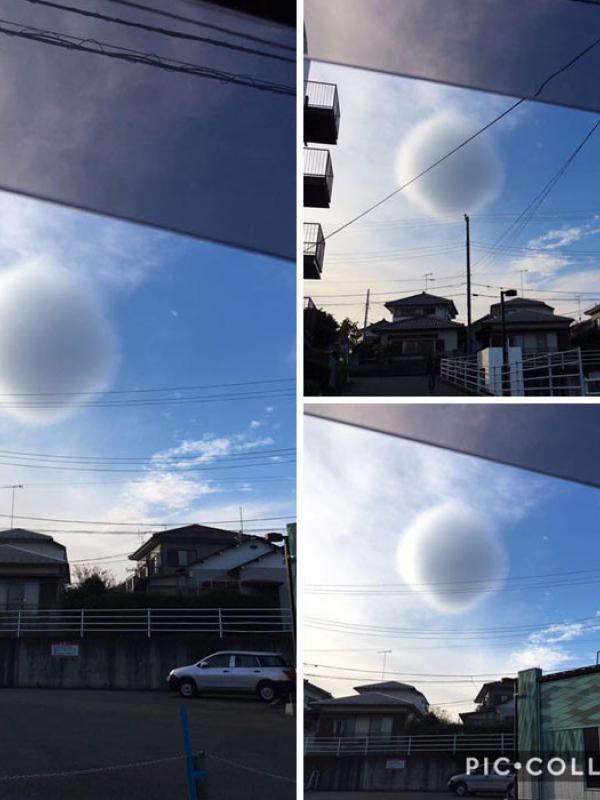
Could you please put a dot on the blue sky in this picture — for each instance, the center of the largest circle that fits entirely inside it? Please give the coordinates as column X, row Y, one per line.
column 148, row 309
column 366, row 493
column 384, row 121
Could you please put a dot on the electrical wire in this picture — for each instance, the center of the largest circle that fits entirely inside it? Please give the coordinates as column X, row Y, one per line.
column 164, row 31
column 466, row 141
column 210, row 26
column 84, row 45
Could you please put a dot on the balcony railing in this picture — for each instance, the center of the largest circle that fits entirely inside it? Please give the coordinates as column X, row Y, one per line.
column 318, row 177
column 405, row 745
column 82, row 622
column 314, row 250
column 321, row 113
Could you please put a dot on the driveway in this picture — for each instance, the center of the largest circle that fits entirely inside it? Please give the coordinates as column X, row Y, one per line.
column 398, row 386
column 378, row 796
column 129, row 745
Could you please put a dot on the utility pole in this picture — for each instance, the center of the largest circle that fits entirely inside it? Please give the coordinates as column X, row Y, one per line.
column 13, row 486
column 579, row 307
column 366, row 315
column 385, row 654
column 241, row 523
column 468, row 246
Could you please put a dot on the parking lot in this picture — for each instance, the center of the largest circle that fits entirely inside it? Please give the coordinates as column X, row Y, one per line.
column 128, row 745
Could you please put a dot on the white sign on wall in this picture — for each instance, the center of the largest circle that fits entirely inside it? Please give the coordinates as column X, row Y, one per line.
column 64, row 649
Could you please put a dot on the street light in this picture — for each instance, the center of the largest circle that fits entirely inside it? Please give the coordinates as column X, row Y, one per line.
column 505, row 373
column 505, row 360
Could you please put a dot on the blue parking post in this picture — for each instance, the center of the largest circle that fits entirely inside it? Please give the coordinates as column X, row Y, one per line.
column 195, row 776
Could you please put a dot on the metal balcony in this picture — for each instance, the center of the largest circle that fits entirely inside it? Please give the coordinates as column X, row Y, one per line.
column 321, row 113
column 318, row 177
column 314, row 250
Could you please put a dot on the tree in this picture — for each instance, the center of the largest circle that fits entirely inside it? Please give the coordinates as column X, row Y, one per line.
column 321, row 327
column 351, row 330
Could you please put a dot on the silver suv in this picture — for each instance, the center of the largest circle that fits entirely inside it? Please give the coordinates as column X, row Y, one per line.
column 237, row 672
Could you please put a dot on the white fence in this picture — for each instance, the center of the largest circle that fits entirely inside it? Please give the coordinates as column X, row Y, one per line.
column 150, row 622
column 565, row 373
column 376, row 745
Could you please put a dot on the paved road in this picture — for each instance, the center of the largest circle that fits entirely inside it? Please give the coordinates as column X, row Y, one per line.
column 46, row 731
column 399, row 386
column 379, row 796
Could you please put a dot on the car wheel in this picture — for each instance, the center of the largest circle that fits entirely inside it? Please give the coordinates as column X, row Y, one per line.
column 460, row 789
column 266, row 691
column 187, row 687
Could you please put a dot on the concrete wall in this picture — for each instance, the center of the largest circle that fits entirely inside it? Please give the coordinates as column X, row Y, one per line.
column 116, row 662
column 421, row 773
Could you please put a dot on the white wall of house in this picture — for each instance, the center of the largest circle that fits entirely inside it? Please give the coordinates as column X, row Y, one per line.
column 439, row 311
column 407, row 695
column 39, row 547
column 448, row 337
column 19, row 594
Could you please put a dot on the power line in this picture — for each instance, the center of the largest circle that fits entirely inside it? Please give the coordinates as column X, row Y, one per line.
column 95, row 47
column 210, row 26
column 519, row 224
column 155, row 473
column 357, row 678
column 238, row 479
column 192, row 388
column 153, row 401
column 155, row 524
column 164, row 31
column 467, row 141
column 454, row 583
column 409, row 674
column 156, row 460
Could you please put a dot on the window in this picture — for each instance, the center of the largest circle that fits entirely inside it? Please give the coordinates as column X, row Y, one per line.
column 591, row 745
column 221, row 660
column 271, row 661
column 246, row 661
column 180, row 558
column 16, row 595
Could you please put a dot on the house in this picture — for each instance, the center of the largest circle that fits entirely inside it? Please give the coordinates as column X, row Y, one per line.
column 34, row 570
column 559, row 716
column 378, row 709
column 531, row 325
column 421, row 325
column 586, row 334
column 496, row 706
column 314, row 694
column 196, row 559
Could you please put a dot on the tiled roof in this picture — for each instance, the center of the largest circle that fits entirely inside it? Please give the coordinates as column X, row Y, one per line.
column 366, row 699
column 9, row 554
column 23, row 535
column 525, row 317
column 417, row 324
column 422, row 299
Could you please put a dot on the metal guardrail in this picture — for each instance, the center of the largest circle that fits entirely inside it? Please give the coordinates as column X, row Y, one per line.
column 317, row 164
column 150, row 622
column 564, row 373
column 374, row 745
column 314, row 243
column 322, row 95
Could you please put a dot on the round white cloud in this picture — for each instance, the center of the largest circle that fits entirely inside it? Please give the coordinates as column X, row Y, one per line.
column 54, row 337
column 452, row 556
column 465, row 182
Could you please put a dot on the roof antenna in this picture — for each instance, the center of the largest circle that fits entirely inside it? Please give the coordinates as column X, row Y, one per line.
column 241, row 524
column 12, row 505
